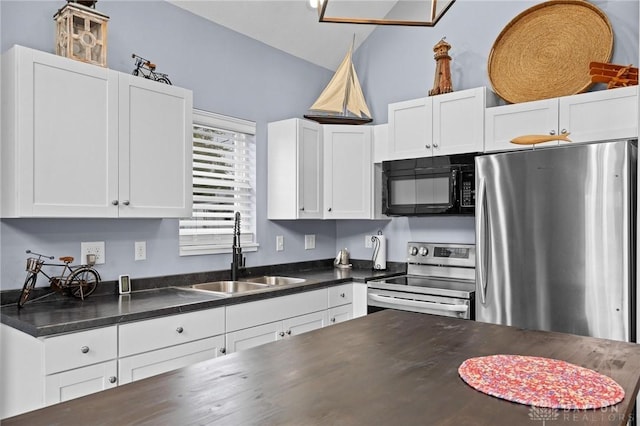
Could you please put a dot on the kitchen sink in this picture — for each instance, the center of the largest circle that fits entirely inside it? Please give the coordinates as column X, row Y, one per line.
column 229, row 287
column 275, row 280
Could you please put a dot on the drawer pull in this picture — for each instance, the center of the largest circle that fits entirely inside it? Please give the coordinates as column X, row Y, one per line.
column 281, row 334
column 179, row 330
column 342, row 295
column 112, row 379
column 223, row 351
column 289, row 332
column 333, row 320
column 84, row 349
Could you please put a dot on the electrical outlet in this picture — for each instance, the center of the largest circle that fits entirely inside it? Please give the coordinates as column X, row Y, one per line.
column 279, row 242
column 140, row 250
column 96, row 248
column 367, row 241
column 309, row 242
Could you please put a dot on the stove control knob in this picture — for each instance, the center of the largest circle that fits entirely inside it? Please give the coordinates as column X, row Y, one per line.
column 413, row 251
column 424, row 251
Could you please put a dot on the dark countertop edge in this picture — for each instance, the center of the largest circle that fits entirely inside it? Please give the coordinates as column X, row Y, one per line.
column 363, row 275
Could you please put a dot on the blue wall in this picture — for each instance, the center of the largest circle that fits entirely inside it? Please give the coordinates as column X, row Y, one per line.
column 237, row 76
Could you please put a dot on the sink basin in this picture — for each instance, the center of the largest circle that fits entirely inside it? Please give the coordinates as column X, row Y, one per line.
column 275, row 280
column 229, row 287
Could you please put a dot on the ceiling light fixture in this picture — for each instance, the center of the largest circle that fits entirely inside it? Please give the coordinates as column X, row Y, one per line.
column 417, row 13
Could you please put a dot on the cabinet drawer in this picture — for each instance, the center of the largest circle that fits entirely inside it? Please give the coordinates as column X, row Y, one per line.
column 167, row 331
column 79, row 349
column 80, row 382
column 340, row 295
column 340, row 314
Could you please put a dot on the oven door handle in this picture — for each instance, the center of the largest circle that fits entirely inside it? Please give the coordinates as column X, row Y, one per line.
column 419, row 304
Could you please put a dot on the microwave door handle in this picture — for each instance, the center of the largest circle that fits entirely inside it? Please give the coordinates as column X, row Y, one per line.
column 482, row 244
column 453, row 178
column 419, row 304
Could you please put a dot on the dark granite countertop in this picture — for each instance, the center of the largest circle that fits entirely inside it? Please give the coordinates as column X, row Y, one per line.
column 391, row 367
column 171, row 296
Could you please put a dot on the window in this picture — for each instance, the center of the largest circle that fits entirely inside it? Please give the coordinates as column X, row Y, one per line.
column 224, row 163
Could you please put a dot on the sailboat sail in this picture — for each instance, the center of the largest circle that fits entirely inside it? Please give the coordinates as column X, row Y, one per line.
column 343, row 95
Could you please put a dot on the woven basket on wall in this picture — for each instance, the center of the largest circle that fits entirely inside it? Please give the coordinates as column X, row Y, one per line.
column 545, row 51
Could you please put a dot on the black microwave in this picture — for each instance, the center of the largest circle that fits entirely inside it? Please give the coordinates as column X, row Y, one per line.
column 442, row 185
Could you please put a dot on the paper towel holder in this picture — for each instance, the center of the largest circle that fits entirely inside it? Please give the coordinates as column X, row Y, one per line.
column 379, row 252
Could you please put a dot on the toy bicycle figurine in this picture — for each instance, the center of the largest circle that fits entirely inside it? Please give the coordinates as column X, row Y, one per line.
column 147, row 69
column 77, row 281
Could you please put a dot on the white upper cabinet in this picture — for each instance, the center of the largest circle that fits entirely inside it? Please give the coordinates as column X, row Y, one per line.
column 294, row 164
column 80, row 140
column 587, row 117
column 348, row 172
column 446, row 124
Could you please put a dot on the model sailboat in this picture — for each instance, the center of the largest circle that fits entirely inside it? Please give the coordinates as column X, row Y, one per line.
column 342, row 101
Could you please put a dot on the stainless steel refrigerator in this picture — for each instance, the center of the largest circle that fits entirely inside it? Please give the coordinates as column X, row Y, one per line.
column 556, row 239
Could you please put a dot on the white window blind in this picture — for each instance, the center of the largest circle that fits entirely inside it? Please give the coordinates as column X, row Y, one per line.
column 224, row 164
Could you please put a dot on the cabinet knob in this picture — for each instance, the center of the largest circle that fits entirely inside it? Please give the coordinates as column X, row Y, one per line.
column 289, row 332
column 563, row 131
column 112, row 379
column 427, row 146
column 84, row 349
column 281, row 334
column 114, row 202
column 179, row 329
column 553, row 132
column 333, row 320
column 125, row 202
column 223, row 351
column 342, row 295
column 301, row 209
column 435, row 145
column 329, row 209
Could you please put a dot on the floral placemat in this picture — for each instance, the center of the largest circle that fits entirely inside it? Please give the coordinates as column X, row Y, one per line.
column 540, row 382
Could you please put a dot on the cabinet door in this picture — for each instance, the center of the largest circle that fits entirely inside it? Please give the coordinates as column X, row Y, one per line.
column 155, row 154
column 309, row 170
column 138, row 367
column 65, row 136
column 458, row 122
column 504, row 123
column 348, row 171
column 83, row 381
column 602, row 115
column 304, row 323
column 410, row 124
column 340, row 314
column 254, row 336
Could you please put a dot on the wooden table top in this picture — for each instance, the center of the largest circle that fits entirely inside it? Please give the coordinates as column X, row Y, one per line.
column 388, row 368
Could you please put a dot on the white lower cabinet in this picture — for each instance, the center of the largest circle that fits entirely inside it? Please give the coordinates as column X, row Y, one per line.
column 158, row 345
column 340, row 314
column 79, row 382
column 137, row 367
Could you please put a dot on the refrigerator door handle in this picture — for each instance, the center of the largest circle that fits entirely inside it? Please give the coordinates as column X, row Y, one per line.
column 482, row 243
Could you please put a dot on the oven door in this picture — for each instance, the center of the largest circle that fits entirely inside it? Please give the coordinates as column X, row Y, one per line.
column 415, row 302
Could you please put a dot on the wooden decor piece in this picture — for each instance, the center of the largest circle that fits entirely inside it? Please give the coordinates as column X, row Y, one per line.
column 545, row 51
column 614, row 75
column 536, row 139
column 81, row 34
column 442, row 81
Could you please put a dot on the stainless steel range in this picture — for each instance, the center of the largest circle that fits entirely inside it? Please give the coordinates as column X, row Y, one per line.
column 440, row 280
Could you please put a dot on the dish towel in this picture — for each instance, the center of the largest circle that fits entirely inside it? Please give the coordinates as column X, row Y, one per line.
column 540, row 382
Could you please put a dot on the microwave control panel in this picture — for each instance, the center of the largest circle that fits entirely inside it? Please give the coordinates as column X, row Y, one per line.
column 468, row 190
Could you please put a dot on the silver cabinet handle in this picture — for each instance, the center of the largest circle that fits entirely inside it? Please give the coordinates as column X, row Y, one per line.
column 329, row 209
column 427, row 146
column 563, row 131
column 84, row 349
column 223, row 351
column 179, row 330
column 553, row 132
column 333, row 320
column 435, row 145
column 112, row 379
column 302, row 209
column 289, row 332
column 114, row 202
column 125, row 202
column 281, row 334
column 342, row 295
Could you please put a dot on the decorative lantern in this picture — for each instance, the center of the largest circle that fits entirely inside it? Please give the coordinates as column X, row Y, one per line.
column 81, row 33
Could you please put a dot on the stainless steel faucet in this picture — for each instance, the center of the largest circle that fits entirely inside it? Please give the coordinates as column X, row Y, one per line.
column 237, row 261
